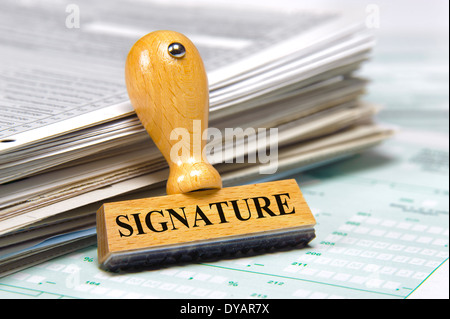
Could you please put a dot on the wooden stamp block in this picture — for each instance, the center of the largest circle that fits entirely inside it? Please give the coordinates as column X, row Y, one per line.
column 158, row 230
column 168, row 89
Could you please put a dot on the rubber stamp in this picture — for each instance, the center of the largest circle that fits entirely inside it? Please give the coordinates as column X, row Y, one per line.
column 197, row 219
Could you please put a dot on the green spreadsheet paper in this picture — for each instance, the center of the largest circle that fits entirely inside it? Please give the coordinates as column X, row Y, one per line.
column 382, row 229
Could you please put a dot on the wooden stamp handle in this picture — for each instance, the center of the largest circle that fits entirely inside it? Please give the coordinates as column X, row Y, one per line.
column 168, row 88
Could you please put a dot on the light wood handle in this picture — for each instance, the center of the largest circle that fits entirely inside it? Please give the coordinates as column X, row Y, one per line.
column 168, row 88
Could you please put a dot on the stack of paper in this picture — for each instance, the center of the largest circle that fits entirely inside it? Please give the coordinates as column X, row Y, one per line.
column 71, row 141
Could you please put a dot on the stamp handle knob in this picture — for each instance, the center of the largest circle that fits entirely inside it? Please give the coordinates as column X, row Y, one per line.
column 168, row 88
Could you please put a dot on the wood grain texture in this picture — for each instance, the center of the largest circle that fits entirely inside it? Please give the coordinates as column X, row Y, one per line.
column 251, row 209
column 169, row 93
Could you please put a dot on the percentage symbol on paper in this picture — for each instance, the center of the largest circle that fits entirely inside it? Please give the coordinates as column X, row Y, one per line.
column 233, row 283
column 88, row 259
